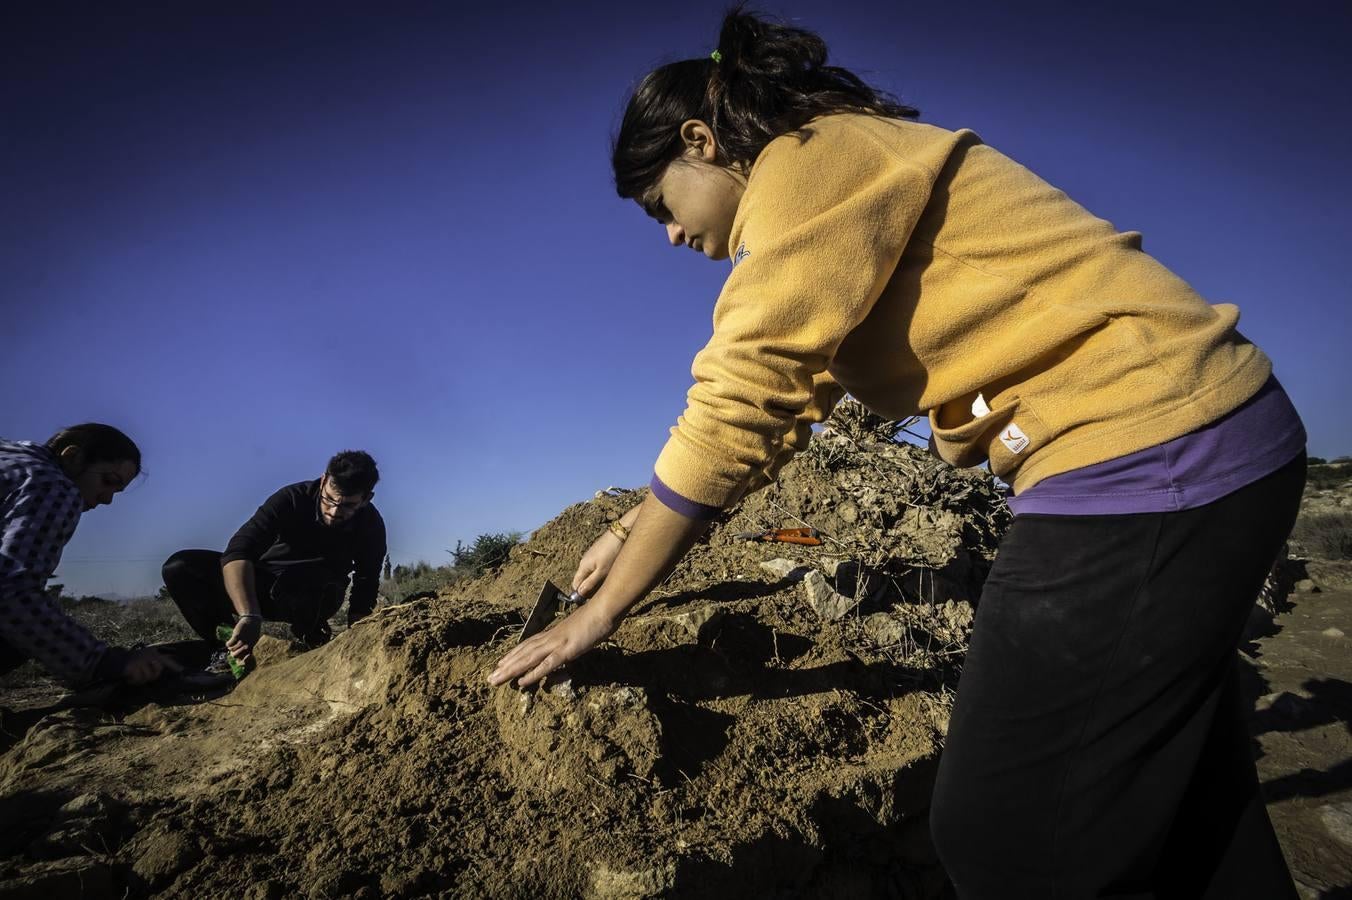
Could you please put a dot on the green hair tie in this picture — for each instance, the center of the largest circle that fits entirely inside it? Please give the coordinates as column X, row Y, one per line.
column 716, row 56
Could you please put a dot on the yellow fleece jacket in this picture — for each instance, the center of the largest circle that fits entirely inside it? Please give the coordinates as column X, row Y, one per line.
column 925, row 273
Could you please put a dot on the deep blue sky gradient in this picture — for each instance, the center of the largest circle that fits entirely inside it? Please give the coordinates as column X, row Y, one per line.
column 254, row 234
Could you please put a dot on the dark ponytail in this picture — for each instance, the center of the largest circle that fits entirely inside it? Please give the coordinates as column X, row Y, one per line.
column 99, row 443
column 768, row 80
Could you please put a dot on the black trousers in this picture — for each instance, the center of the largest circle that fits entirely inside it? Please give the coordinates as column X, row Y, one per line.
column 1098, row 746
column 302, row 594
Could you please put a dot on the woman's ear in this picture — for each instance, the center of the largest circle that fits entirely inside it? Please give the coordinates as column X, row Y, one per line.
column 72, row 459
column 699, row 140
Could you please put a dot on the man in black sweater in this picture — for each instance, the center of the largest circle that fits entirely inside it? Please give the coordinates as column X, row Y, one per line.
column 290, row 562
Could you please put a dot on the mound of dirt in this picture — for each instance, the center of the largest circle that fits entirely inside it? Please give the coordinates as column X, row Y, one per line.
column 767, row 723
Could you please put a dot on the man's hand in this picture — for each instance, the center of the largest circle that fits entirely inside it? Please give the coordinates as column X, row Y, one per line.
column 145, row 664
column 596, row 562
column 246, row 634
column 532, row 660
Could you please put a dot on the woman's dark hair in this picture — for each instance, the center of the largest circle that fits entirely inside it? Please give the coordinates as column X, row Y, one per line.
column 768, row 80
column 353, row 472
column 99, row 443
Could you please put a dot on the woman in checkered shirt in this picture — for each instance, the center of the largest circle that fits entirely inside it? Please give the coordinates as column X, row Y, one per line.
column 44, row 488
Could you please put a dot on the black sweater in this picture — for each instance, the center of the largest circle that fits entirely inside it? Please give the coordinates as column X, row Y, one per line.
column 288, row 530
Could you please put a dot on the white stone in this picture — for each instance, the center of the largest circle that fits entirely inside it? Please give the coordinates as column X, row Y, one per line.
column 785, row 568
column 702, row 623
column 823, row 599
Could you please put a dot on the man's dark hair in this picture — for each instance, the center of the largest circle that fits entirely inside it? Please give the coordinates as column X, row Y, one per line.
column 99, row 443
column 353, row 472
column 768, row 80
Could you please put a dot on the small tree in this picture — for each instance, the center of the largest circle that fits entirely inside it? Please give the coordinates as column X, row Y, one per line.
column 487, row 552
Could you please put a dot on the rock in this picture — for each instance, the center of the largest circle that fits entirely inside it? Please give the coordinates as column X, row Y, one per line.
column 1306, row 892
column 703, row 623
column 562, row 688
column 1337, row 818
column 1332, row 633
column 957, row 615
column 1330, row 574
column 87, row 806
column 165, row 855
column 75, row 877
column 631, row 884
column 84, row 823
column 785, row 569
column 1282, row 703
column 823, row 599
column 1305, row 586
column 884, row 630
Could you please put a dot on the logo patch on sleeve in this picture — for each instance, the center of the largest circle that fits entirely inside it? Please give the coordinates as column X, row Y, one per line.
column 741, row 254
column 1014, row 439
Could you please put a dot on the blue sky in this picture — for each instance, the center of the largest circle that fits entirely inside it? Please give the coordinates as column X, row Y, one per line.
column 253, row 234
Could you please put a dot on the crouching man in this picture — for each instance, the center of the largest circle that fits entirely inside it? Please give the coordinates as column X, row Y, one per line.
column 290, row 562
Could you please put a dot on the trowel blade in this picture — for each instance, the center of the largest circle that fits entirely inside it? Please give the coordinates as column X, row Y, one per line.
column 543, row 612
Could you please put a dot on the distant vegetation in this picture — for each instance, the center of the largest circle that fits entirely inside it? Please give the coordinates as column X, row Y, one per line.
column 487, row 552
column 1325, row 535
column 1322, row 475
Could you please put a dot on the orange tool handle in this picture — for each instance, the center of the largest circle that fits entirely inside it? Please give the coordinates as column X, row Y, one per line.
column 807, row 536
column 796, row 539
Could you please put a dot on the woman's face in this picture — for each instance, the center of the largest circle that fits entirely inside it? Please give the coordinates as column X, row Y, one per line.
column 695, row 198
column 101, row 481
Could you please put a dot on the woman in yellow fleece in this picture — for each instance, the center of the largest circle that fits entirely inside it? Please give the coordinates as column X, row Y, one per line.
column 1097, row 746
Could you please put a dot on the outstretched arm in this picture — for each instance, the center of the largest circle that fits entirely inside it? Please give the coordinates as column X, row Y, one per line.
column 660, row 538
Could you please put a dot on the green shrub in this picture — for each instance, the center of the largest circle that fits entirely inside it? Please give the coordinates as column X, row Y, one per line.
column 487, row 552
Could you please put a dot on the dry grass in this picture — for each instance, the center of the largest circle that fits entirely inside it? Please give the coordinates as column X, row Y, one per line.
column 143, row 621
column 1324, row 535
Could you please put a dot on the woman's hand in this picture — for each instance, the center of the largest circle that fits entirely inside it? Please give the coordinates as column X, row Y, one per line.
column 596, row 562
column 535, row 658
column 657, row 541
column 145, row 664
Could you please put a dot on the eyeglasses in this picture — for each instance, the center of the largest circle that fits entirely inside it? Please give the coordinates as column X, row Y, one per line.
column 347, row 504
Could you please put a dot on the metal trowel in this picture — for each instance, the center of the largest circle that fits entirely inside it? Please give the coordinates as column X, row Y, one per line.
column 546, row 608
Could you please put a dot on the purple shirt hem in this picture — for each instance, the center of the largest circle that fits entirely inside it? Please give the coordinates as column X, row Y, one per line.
column 1184, row 473
column 686, row 507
